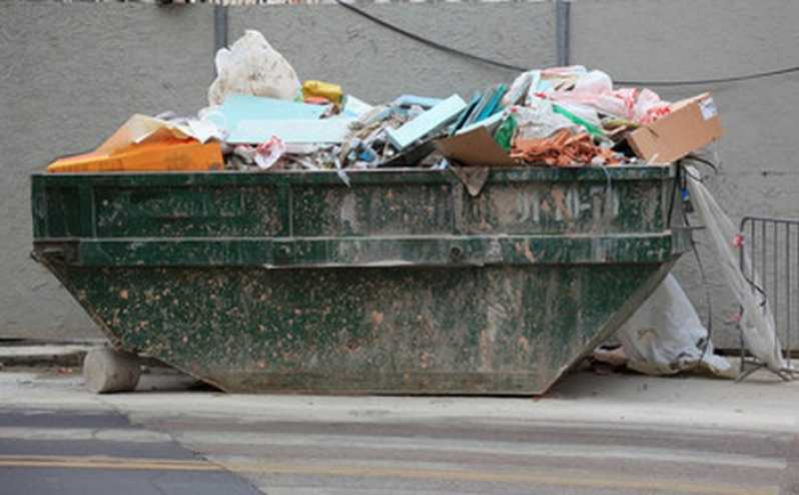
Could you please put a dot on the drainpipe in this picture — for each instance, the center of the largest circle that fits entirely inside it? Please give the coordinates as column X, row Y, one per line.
column 562, row 32
column 220, row 28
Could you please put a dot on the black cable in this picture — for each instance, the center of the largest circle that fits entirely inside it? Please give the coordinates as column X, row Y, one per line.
column 428, row 42
column 506, row 66
column 708, row 299
column 698, row 258
column 674, row 194
column 696, row 158
column 747, row 77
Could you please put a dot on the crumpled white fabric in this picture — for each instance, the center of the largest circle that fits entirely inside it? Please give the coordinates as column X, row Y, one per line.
column 665, row 336
column 757, row 324
column 251, row 66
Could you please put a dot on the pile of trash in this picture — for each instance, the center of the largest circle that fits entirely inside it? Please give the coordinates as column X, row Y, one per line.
column 262, row 118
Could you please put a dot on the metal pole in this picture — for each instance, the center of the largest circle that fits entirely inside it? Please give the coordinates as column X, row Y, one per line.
column 220, row 28
column 562, row 31
column 788, row 301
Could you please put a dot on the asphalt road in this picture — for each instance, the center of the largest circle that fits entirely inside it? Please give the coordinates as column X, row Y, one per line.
column 64, row 441
column 69, row 453
column 287, row 457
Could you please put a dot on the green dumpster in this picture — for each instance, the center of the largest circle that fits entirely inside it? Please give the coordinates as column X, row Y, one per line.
column 400, row 283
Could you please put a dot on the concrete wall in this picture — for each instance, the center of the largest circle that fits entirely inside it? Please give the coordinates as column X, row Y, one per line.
column 330, row 43
column 73, row 73
column 705, row 39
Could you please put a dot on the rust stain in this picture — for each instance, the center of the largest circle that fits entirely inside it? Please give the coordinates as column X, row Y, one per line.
column 424, row 361
column 560, row 203
column 528, row 253
column 524, row 250
column 485, row 351
column 524, row 344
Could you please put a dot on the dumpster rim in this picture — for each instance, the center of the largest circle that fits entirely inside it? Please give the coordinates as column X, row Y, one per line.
column 358, row 252
column 503, row 175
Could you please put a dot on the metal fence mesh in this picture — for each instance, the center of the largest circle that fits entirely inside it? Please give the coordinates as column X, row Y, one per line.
column 773, row 248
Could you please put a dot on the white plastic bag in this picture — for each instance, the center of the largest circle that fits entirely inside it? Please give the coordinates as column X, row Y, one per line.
column 593, row 92
column 538, row 120
column 269, row 153
column 523, row 89
column 253, row 67
column 665, row 336
column 757, row 325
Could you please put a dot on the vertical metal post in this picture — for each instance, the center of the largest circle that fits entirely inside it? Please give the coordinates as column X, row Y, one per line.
column 562, row 31
column 763, row 265
column 789, row 306
column 220, row 28
column 742, row 265
column 775, row 301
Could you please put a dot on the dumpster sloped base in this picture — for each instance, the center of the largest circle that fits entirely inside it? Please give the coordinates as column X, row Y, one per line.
column 401, row 282
column 486, row 330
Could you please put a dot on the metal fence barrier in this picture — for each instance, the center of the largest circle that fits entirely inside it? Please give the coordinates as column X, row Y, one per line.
column 773, row 248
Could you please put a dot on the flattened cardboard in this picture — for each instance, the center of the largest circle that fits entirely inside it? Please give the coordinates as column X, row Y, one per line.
column 160, row 156
column 691, row 125
column 475, row 148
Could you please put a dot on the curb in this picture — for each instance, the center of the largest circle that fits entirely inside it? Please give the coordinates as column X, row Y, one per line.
column 43, row 355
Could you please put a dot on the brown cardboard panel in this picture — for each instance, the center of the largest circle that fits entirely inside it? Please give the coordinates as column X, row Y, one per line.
column 475, row 148
column 692, row 124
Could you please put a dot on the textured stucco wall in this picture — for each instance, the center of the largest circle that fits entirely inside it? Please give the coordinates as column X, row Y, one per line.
column 690, row 39
column 69, row 75
column 72, row 73
column 330, row 43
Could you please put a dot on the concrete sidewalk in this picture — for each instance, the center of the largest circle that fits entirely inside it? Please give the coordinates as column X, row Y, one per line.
column 762, row 403
column 593, row 434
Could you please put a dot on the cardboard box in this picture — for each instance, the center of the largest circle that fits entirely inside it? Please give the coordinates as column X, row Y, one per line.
column 157, row 156
column 691, row 125
column 476, row 148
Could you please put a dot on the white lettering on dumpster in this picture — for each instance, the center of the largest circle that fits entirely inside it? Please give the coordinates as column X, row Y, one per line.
column 566, row 204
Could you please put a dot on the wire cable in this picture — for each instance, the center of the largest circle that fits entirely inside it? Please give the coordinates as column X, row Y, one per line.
column 720, row 80
column 512, row 67
column 708, row 299
column 429, row 42
column 703, row 275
